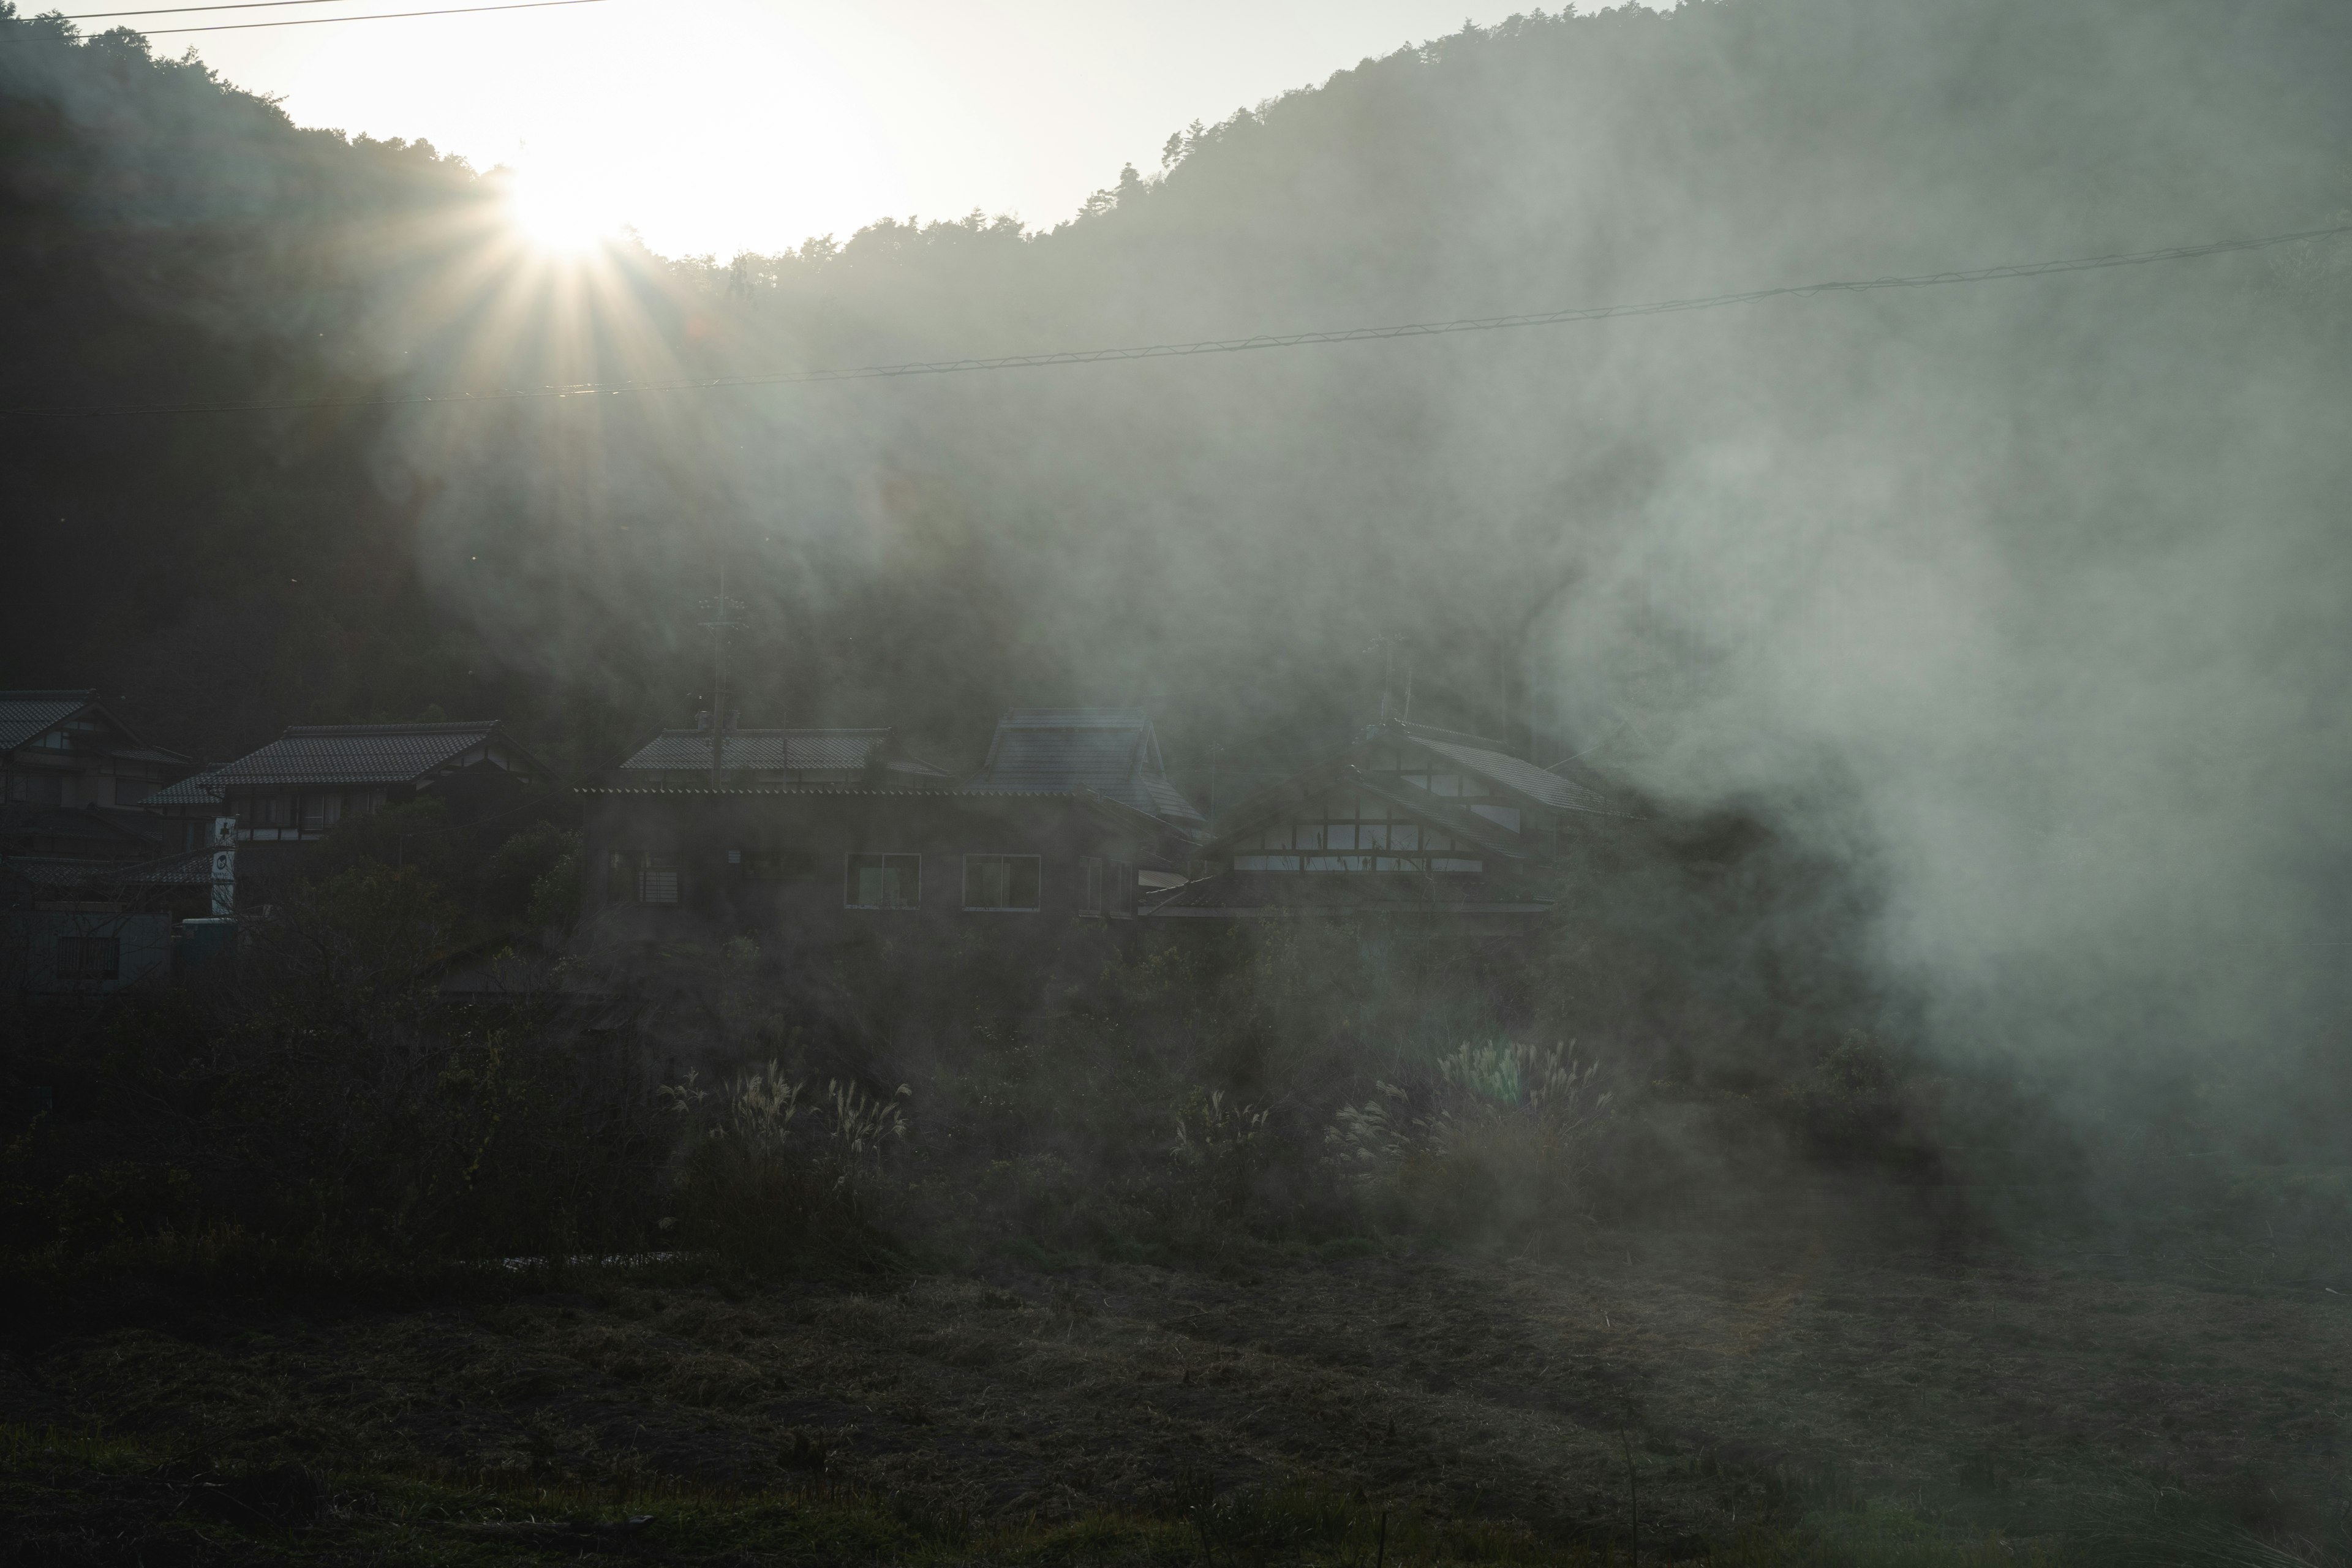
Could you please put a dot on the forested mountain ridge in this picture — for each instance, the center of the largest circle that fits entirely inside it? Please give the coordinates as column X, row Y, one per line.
column 1981, row 590
column 171, row 239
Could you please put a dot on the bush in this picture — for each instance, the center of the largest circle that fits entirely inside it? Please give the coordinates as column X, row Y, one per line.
column 535, row 877
column 764, row 1176
column 1494, row 1145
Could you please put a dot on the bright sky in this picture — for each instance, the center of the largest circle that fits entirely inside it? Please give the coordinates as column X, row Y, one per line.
column 722, row 125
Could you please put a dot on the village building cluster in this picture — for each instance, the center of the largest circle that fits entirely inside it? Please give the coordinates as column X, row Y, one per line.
column 119, row 859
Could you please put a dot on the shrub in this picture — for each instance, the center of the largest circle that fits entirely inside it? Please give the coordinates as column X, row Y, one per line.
column 765, row 1172
column 1220, row 1156
column 1495, row 1143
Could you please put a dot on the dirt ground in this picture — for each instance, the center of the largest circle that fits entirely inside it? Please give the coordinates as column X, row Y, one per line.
column 1978, row 1387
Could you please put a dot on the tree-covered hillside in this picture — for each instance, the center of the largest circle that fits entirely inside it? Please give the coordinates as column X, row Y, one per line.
column 1978, row 585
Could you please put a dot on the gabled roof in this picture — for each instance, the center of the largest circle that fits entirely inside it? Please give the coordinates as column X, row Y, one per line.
column 191, row 869
column 1341, row 772
column 196, row 789
column 26, row 714
column 1112, row 752
column 341, row 754
column 1481, row 757
column 774, row 751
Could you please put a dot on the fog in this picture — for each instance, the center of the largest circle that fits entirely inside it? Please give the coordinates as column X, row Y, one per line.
column 2017, row 600
column 1972, row 651
column 2020, row 599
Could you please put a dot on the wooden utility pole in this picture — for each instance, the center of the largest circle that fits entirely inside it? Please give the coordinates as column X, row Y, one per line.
column 719, row 624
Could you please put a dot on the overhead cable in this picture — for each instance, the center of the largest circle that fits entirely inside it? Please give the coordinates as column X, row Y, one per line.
column 1217, row 345
column 370, row 16
column 178, row 10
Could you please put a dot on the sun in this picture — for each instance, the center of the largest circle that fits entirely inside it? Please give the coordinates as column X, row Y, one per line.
column 557, row 213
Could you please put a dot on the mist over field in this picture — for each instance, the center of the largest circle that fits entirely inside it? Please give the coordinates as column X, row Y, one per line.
column 1976, row 651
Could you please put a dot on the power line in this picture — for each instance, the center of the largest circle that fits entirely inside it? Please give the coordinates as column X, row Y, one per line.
column 1216, row 345
column 177, row 10
column 370, row 16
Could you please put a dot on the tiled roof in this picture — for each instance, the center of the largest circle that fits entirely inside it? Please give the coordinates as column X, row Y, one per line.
column 1512, row 773
column 25, row 714
column 97, row 824
column 338, row 754
column 1111, row 750
column 1345, row 893
column 191, row 869
column 196, row 789
column 771, row 751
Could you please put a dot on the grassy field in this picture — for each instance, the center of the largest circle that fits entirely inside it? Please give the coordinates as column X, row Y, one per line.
column 1818, row 1393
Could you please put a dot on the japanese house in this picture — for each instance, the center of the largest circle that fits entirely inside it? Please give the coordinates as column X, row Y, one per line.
column 88, row 883
column 91, row 927
column 1409, row 821
column 64, row 748
column 299, row 786
column 833, row 834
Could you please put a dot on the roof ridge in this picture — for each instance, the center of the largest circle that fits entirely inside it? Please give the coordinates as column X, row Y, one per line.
column 435, row 727
column 1458, row 737
column 59, row 694
column 793, row 730
column 1041, row 718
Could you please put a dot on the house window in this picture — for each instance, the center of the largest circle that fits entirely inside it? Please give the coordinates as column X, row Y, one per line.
column 90, row 958
column 1090, row 885
column 280, row 809
column 1349, row 831
column 320, row 812
column 885, row 883
column 39, row 789
column 1000, row 881
column 1122, row 889
column 658, row 879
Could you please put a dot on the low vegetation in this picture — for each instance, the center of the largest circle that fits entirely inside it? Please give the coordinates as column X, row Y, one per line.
column 1317, row 1247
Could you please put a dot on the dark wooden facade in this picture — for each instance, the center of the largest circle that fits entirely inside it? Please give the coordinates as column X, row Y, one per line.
column 1065, row 826
column 1407, row 821
column 295, row 790
column 823, row 858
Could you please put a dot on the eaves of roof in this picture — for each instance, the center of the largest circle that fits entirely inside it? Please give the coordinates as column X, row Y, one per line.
column 1310, row 911
column 1436, row 810
column 1260, row 895
column 197, row 789
column 1128, row 816
column 186, row 869
column 1517, row 775
column 772, row 751
column 791, row 789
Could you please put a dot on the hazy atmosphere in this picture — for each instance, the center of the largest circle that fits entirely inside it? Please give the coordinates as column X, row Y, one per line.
column 1239, row 875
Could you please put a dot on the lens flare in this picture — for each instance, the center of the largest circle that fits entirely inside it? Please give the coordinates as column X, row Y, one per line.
column 559, row 213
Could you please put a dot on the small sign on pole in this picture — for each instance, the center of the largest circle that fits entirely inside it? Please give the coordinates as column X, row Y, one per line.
column 223, row 867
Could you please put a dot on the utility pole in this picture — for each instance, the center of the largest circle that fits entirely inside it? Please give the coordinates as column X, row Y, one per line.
column 1385, row 644
column 719, row 624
